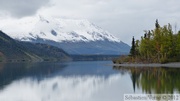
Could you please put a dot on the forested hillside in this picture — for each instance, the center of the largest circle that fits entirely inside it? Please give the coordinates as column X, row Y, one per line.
column 46, row 52
column 15, row 51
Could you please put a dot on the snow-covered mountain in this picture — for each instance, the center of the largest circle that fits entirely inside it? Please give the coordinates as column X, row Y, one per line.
column 74, row 36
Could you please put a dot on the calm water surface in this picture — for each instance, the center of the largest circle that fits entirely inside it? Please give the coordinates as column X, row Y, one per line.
column 83, row 81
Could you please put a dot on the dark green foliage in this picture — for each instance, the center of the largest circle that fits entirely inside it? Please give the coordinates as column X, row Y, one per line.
column 10, row 48
column 124, row 59
column 157, row 24
column 160, row 45
column 132, row 51
column 46, row 52
column 92, row 57
column 13, row 51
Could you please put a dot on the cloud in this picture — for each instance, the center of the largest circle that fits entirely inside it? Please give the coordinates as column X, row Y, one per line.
column 122, row 18
column 21, row 8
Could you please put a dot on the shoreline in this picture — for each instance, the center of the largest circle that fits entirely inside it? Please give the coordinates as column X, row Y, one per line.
column 173, row 64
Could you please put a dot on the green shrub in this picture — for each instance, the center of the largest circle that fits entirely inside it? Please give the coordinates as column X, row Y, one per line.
column 164, row 60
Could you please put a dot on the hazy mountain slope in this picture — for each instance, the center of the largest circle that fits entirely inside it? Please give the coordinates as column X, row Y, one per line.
column 92, row 47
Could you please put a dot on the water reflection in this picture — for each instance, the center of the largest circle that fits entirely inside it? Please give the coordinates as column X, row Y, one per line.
column 83, row 81
column 14, row 71
column 75, row 81
column 160, row 80
column 77, row 88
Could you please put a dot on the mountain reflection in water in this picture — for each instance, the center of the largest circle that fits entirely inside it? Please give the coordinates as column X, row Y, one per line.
column 83, row 81
column 75, row 88
column 14, row 71
column 73, row 81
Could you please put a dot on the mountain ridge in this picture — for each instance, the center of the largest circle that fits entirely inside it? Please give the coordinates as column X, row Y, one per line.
column 56, row 29
column 73, row 36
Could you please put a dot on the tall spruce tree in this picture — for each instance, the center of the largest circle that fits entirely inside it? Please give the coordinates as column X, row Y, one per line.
column 133, row 48
column 157, row 24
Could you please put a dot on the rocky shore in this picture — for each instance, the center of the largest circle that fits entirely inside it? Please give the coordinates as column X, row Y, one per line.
column 174, row 64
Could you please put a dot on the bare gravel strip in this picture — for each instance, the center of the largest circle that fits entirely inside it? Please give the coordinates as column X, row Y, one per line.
column 174, row 64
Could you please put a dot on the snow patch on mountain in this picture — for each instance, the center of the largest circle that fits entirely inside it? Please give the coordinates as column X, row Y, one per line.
column 55, row 29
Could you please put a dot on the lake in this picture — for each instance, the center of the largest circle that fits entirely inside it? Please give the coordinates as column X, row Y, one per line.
column 83, row 81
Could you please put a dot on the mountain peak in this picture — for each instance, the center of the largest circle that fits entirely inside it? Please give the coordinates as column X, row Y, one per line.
column 56, row 29
column 41, row 18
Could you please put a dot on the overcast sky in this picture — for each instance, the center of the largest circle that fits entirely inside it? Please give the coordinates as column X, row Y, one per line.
column 122, row 18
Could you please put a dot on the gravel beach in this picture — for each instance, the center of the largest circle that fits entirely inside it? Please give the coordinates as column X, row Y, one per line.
column 174, row 64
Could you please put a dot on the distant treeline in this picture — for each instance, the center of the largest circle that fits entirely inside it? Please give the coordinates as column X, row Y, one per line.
column 92, row 57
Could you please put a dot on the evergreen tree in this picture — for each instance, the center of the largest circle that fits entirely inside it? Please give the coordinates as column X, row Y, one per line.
column 160, row 44
column 137, row 48
column 133, row 51
column 157, row 24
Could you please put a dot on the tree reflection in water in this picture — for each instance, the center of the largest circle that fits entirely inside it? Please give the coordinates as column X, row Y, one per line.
column 158, row 80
